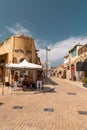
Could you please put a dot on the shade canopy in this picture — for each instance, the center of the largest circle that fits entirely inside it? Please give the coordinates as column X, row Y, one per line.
column 81, row 66
column 23, row 65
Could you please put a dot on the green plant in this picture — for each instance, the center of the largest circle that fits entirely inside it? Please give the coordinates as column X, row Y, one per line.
column 84, row 79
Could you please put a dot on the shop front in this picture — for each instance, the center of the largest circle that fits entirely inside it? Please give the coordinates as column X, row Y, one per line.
column 81, row 67
column 73, row 77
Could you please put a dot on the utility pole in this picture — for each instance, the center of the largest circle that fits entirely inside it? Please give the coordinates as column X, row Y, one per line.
column 47, row 61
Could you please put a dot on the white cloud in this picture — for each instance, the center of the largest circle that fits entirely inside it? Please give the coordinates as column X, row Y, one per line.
column 18, row 29
column 60, row 49
column 42, row 43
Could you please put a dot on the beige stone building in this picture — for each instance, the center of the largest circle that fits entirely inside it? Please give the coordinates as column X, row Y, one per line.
column 59, row 71
column 81, row 66
column 75, row 64
column 14, row 50
column 73, row 61
column 73, row 57
column 70, row 62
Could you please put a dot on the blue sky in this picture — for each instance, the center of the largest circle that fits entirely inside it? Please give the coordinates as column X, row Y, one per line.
column 57, row 24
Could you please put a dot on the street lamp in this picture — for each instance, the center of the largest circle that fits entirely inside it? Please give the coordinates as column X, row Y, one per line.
column 47, row 60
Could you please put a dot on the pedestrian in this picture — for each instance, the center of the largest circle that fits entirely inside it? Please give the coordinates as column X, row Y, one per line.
column 39, row 80
column 20, row 81
column 25, row 82
column 16, row 80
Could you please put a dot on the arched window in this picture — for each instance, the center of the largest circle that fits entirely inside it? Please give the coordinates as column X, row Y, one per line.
column 14, row 60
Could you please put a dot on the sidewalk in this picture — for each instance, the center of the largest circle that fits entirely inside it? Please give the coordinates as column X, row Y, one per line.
column 64, row 109
column 75, row 83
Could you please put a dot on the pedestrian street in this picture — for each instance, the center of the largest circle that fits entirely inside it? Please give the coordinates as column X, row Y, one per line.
column 64, row 108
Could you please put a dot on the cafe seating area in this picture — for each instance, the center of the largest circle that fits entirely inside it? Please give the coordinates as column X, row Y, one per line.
column 26, row 84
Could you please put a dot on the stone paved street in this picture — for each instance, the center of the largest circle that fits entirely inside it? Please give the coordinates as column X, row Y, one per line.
column 67, row 108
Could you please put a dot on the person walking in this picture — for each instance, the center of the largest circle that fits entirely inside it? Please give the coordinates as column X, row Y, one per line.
column 16, row 80
column 39, row 80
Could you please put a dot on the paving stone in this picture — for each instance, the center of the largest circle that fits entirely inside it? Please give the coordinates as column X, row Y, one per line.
column 33, row 117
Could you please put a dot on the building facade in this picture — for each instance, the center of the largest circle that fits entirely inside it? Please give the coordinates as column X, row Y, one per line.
column 14, row 50
column 73, row 63
column 81, row 66
column 73, row 57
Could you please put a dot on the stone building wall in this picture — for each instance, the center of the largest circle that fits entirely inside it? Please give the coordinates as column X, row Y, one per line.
column 15, row 49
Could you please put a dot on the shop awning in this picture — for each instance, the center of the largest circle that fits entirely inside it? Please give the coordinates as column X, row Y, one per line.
column 81, row 66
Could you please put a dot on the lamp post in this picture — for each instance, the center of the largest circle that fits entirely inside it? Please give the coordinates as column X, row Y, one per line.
column 47, row 61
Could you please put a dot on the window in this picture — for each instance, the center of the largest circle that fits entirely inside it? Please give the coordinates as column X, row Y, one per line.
column 73, row 53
